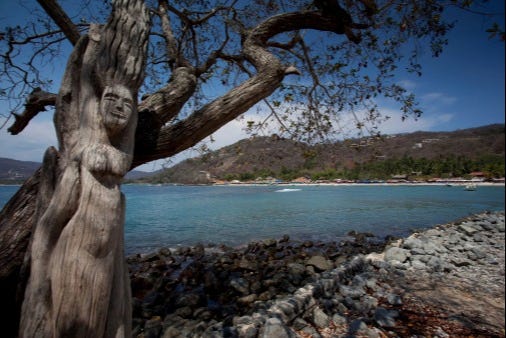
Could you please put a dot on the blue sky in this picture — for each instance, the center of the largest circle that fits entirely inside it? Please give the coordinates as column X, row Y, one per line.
column 463, row 88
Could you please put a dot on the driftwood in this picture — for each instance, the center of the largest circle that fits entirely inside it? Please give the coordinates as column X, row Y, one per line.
column 78, row 284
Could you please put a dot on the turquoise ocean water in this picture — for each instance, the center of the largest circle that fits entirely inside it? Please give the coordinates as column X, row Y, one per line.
column 234, row 215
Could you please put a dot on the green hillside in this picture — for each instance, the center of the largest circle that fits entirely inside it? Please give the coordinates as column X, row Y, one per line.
column 419, row 154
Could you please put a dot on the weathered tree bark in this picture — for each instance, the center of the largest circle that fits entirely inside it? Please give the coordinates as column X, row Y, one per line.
column 78, row 284
column 16, row 222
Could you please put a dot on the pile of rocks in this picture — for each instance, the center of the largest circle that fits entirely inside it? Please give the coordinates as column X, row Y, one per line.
column 358, row 287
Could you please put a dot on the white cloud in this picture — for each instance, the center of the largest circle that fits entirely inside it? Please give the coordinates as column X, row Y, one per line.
column 426, row 122
column 407, row 84
column 30, row 144
column 394, row 125
column 235, row 130
column 230, row 133
column 437, row 99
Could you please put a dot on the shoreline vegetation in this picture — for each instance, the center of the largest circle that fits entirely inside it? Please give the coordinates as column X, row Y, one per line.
column 444, row 281
column 461, row 183
column 314, row 184
column 476, row 153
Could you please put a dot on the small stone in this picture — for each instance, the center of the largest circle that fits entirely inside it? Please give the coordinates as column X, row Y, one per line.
column 352, row 292
column 478, row 254
column 320, row 263
column 394, row 299
column 340, row 260
column 247, row 299
column 367, row 303
column 439, row 333
column 165, row 252
column 202, row 313
column 320, row 319
column 150, row 257
column 307, row 244
column 342, row 308
column 396, row 254
column 153, row 327
column 247, row 264
column 371, row 283
column 338, row 319
column 241, row 285
column 384, row 317
column 269, row 242
column 418, row 251
column 299, row 324
column 412, row 243
column 296, row 269
column 459, row 262
column 190, row 299
column 247, row 331
column 418, row 265
column 274, row 328
column 467, row 228
column 284, row 239
column 358, row 326
column 184, row 312
column 309, row 331
column 435, row 264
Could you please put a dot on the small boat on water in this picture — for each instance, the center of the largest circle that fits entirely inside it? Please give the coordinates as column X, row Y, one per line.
column 470, row 187
column 287, row 190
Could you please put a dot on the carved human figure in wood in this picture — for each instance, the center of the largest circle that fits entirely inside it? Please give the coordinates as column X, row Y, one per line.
column 78, row 284
column 117, row 107
column 90, row 247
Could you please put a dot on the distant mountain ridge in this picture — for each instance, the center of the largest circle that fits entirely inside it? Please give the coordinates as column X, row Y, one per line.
column 264, row 156
column 14, row 171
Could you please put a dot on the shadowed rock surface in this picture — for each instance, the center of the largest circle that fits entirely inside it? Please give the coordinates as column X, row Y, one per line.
column 443, row 282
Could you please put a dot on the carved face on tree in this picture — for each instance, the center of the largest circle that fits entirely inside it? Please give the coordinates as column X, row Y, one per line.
column 116, row 108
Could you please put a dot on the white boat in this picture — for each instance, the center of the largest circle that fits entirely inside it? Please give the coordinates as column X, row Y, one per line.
column 470, row 187
column 287, row 190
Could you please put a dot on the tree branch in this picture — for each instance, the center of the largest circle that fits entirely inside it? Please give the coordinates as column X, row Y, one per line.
column 175, row 58
column 35, row 103
column 61, row 18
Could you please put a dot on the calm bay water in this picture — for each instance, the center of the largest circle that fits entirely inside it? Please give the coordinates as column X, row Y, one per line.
column 185, row 215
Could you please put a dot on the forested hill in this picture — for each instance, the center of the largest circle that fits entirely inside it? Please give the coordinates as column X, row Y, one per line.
column 430, row 154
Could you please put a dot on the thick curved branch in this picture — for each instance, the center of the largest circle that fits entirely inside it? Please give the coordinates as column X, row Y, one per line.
column 303, row 20
column 61, row 19
column 167, row 102
column 35, row 103
column 185, row 134
column 270, row 73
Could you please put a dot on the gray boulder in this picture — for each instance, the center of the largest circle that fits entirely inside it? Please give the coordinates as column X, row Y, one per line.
column 396, row 254
column 319, row 263
column 384, row 317
column 275, row 328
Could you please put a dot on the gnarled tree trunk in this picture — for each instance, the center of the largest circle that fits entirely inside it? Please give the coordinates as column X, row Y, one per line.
column 78, row 284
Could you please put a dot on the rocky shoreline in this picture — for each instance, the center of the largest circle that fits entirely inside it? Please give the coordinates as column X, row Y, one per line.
column 447, row 281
